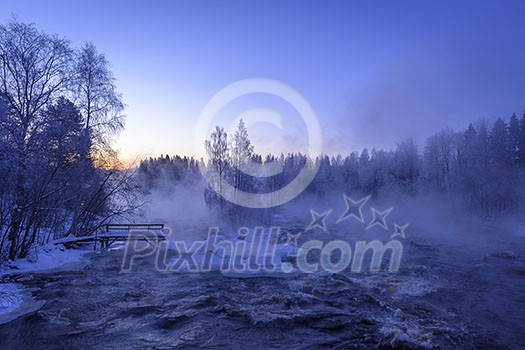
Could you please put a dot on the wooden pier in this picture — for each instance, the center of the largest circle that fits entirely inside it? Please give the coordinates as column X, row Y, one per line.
column 151, row 233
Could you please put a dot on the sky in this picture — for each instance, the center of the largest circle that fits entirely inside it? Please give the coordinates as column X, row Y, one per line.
column 375, row 72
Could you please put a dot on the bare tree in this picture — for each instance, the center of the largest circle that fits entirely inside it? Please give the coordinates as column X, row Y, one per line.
column 56, row 156
column 34, row 70
column 407, row 163
column 217, row 150
column 98, row 100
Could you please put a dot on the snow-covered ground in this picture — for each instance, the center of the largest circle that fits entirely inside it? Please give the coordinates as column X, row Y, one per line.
column 14, row 299
column 47, row 257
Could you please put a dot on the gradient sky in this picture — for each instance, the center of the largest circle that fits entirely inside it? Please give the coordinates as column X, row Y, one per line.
column 376, row 72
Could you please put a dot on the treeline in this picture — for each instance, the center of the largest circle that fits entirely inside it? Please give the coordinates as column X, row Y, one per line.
column 484, row 165
column 59, row 111
column 166, row 170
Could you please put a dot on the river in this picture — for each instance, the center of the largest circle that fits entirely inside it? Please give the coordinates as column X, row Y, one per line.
column 469, row 294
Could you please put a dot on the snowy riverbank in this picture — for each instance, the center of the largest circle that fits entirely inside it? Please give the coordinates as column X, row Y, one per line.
column 15, row 300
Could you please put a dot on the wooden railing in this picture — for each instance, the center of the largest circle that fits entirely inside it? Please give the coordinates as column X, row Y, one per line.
column 134, row 227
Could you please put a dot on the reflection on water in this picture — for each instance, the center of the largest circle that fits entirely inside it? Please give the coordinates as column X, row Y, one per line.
column 442, row 298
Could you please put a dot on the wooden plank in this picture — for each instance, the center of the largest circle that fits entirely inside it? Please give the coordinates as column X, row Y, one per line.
column 120, row 232
column 132, row 234
column 74, row 239
column 133, row 227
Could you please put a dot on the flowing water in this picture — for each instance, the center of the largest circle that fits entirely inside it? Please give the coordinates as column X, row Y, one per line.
column 445, row 296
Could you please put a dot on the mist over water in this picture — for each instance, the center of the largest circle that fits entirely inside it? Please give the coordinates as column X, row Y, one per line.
column 361, row 186
column 459, row 286
column 182, row 209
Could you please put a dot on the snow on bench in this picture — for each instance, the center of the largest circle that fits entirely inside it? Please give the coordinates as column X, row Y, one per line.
column 150, row 233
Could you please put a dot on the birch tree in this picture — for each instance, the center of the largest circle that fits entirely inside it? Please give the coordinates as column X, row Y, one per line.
column 98, row 100
column 217, row 150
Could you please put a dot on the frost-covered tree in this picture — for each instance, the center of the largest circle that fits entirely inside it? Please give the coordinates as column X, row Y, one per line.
column 477, row 165
column 33, row 73
column 514, row 138
column 521, row 141
column 443, row 154
column 241, row 153
column 45, row 140
column 241, row 149
column 407, row 164
column 97, row 97
column 364, row 158
column 500, row 146
column 217, row 151
column 323, row 181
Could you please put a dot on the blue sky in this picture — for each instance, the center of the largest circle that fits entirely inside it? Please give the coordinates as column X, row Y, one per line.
column 376, row 72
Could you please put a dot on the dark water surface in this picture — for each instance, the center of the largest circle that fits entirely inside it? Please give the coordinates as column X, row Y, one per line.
column 446, row 296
